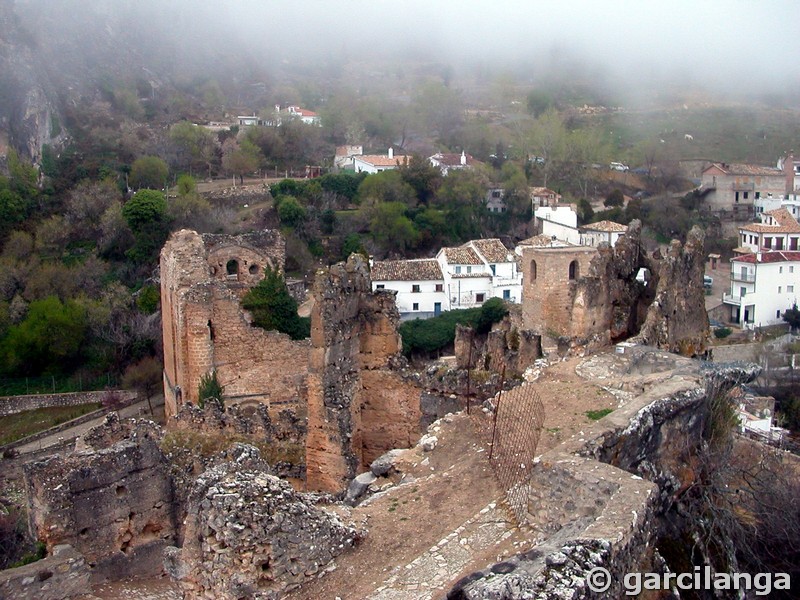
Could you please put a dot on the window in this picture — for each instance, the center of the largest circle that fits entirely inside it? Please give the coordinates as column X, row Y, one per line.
column 415, row 288
column 790, row 289
column 791, row 269
column 779, row 289
column 737, row 196
column 780, row 269
column 232, row 267
column 573, row 270
column 415, row 306
column 746, row 195
column 492, row 268
column 767, row 242
column 506, row 294
column 380, row 286
column 458, row 269
column 778, row 243
column 758, row 195
column 439, row 287
column 480, row 297
column 778, row 314
column 469, row 269
column 533, row 270
column 793, row 243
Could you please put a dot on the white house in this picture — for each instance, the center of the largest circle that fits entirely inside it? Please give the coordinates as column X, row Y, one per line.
column 343, row 158
column 459, row 277
column 248, row 120
column 594, row 234
column 777, row 231
column 419, row 284
column 560, row 222
column 309, row 117
column 452, row 162
column 495, row 200
column 764, row 284
column 790, row 202
column 375, row 163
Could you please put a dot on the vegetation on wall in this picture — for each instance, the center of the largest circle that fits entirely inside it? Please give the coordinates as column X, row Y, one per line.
column 274, row 309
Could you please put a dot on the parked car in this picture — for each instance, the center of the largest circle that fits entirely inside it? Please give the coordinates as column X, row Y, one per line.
column 618, row 166
column 708, row 281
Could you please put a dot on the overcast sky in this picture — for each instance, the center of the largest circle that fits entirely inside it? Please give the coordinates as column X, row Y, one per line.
column 728, row 44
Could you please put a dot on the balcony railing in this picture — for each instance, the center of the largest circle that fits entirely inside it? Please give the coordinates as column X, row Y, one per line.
column 747, row 277
column 731, row 299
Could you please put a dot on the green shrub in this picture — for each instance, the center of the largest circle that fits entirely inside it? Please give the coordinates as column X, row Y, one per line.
column 432, row 335
column 210, row 388
column 596, row 415
column 273, row 308
column 722, row 332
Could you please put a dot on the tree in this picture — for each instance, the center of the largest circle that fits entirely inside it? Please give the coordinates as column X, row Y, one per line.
column 392, row 228
column 386, row 186
column 273, row 308
column 290, row 211
column 146, row 377
column 422, row 176
column 352, row 245
column 144, row 208
column 240, row 159
column 148, row 172
column 195, row 146
column 792, row 317
column 49, row 339
column 615, row 198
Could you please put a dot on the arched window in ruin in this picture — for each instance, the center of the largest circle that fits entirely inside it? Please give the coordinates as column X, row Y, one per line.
column 573, row 270
column 533, row 270
column 232, row 267
column 253, row 269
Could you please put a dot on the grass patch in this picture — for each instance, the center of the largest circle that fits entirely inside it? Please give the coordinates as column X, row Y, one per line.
column 596, row 415
column 20, row 425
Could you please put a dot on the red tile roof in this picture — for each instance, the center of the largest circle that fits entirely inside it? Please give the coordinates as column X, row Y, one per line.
column 743, row 169
column 382, row 160
column 786, row 223
column 462, row 256
column 492, row 249
column 606, row 226
column 425, row 269
column 453, row 160
column 773, row 256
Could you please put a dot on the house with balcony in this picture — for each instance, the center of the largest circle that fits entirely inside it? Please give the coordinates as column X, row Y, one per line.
column 764, row 284
column 735, row 187
column 459, row 277
column 779, row 230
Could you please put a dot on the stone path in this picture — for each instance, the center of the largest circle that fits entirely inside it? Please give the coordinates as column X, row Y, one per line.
column 138, row 409
column 431, row 574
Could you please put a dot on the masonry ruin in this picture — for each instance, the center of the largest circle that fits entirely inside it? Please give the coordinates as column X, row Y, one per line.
column 580, row 299
column 203, row 279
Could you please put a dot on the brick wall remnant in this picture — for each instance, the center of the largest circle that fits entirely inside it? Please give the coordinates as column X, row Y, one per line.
column 584, row 298
column 358, row 407
column 114, row 504
column 248, row 534
column 10, row 405
column 203, row 278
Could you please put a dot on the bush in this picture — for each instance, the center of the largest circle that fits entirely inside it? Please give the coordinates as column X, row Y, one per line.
column 210, row 389
column 432, row 335
column 272, row 307
column 722, row 332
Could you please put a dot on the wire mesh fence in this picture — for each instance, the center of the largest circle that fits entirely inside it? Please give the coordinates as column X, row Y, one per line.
column 55, row 385
column 511, row 433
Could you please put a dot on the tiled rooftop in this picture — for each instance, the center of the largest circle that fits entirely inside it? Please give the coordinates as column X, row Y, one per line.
column 492, row 249
column 462, row 256
column 786, row 223
column 382, row 160
column 750, row 170
column 425, row 269
column 606, row 226
column 773, row 256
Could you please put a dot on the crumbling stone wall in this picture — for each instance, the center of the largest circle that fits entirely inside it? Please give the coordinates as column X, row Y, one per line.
column 10, row 405
column 114, row 505
column 63, row 574
column 358, row 407
column 203, row 278
column 250, row 535
column 584, row 298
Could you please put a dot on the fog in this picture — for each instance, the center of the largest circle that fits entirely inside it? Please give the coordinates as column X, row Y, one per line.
column 733, row 46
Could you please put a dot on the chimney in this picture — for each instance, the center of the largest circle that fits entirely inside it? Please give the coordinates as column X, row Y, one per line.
column 463, row 158
column 788, row 171
column 391, row 153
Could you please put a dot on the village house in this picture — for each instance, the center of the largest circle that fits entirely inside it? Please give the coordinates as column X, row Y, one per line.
column 777, row 231
column 309, row 117
column 375, row 163
column 495, row 200
column 735, row 187
column 452, row 162
column 248, row 120
column 343, row 157
column 542, row 196
column 764, row 284
column 594, row 234
column 558, row 222
column 459, row 277
column 790, row 202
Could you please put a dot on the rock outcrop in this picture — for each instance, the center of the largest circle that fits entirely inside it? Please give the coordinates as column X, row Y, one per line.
column 248, row 534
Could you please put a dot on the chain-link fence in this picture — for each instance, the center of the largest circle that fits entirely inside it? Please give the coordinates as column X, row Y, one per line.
column 511, row 433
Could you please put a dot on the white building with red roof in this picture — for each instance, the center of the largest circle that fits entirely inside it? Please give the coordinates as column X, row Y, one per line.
column 375, row 163
column 778, row 230
column 763, row 286
column 446, row 162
